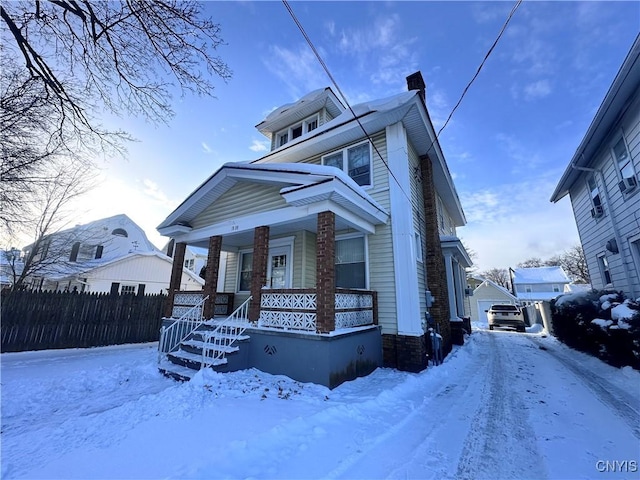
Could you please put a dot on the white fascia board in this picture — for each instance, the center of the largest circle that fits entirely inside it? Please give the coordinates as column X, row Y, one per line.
column 357, row 203
column 356, row 221
column 405, row 267
column 194, row 198
column 246, row 223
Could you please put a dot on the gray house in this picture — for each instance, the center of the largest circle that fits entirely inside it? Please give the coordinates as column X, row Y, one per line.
column 603, row 182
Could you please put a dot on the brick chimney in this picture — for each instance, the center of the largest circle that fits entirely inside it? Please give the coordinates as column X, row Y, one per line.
column 416, row 82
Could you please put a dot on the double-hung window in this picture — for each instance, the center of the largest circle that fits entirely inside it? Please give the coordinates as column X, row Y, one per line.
column 603, row 264
column 628, row 180
column 351, row 269
column 355, row 161
column 246, row 268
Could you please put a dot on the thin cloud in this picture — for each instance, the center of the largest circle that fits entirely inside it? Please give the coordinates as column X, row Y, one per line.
column 206, row 148
column 537, row 90
column 259, row 146
column 297, row 68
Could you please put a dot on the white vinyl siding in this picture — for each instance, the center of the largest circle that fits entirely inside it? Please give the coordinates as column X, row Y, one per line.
column 624, row 209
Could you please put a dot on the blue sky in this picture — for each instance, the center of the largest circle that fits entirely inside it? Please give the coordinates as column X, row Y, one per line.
column 506, row 145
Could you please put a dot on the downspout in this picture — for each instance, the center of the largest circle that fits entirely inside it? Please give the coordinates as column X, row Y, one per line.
column 616, row 233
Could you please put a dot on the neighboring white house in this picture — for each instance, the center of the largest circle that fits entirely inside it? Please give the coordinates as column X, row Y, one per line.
column 537, row 284
column 486, row 294
column 603, row 182
column 338, row 231
column 107, row 255
column 195, row 259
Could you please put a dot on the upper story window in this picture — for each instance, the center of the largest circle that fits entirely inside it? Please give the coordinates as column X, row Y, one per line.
column 594, row 194
column 628, row 180
column 297, row 130
column 355, row 161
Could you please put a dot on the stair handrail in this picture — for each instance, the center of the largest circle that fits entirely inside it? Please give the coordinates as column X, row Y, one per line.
column 232, row 327
column 174, row 334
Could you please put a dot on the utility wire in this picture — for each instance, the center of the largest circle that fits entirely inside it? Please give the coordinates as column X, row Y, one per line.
column 344, row 99
column 464, row 92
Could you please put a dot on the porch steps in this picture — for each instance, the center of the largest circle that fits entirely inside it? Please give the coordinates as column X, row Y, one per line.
column 198, row 345
column 193, row 360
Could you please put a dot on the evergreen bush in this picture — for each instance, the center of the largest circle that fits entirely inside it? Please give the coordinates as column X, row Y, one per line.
column 602, row 323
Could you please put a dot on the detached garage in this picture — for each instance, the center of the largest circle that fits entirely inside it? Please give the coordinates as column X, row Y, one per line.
column 485, row 295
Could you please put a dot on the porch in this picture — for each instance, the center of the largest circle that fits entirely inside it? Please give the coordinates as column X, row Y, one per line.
column 283, row 341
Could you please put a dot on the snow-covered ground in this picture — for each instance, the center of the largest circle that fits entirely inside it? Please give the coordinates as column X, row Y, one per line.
column 506, row 405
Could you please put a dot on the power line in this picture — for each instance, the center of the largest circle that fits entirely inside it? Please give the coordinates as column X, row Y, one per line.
column 464, row 92
column 344, row 98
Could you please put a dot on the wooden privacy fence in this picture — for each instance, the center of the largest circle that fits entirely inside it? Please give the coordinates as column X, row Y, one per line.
column 45, row 320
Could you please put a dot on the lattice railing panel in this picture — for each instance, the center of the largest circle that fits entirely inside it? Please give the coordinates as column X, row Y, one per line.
column 187, row 298
column 354, row 319
column 289, row 301
column 353, row 300
column 288, row 320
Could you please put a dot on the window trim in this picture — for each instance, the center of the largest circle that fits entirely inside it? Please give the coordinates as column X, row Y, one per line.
column 604, row 268
column 617, row 140
column 287, row 133
column 239, row 270
column 348, row 236
column 345, row 160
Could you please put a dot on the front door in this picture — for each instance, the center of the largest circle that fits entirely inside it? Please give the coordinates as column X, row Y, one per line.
column 279, row 268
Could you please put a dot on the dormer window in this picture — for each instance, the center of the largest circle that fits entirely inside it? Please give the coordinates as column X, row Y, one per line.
column 297, row 130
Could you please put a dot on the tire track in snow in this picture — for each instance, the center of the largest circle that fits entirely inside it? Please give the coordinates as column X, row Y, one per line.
column 500, row 427
column 616, row 399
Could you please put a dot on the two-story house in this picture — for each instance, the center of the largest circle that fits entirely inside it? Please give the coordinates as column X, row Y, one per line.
column 108, row 255
column 537, row 284
column 342, row 238
column 603, row 183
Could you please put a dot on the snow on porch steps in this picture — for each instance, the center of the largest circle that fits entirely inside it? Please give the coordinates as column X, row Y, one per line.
column 195, row 358
column 199, row 345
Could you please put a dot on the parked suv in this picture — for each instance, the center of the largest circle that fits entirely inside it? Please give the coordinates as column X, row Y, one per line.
column 506, row 316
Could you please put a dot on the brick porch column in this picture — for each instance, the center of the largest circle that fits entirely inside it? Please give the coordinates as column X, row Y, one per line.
column 176, row 276
column 436, row 273
column 259, row 272
column 325, row 272
column 211, row 275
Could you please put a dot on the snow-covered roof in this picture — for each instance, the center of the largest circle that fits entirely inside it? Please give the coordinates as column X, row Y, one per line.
column 67, row 270
column 491, row 284
column 290, row 113
column 535, row 275
column 374, row 116
column 295, row 179
column 105, row 228
column 577, row 287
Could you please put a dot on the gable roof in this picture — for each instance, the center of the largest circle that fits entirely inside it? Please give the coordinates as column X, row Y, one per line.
column 300, row 184
column 104, row 228
column 625, row 86
column 535, row 275
column 75, row 269
column 299, row 110
column 374, row 116
column 491, row 284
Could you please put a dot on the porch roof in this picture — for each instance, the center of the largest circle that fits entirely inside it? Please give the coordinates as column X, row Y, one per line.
column 307, row 189
column 454, row 246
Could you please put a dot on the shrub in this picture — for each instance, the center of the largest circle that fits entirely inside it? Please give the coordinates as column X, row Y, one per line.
column 599, row 322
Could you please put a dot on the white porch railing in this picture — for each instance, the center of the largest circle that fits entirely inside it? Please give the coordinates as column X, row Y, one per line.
column 294, row 309
column 218, row 342
column 171, row 336
column 354, row 309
